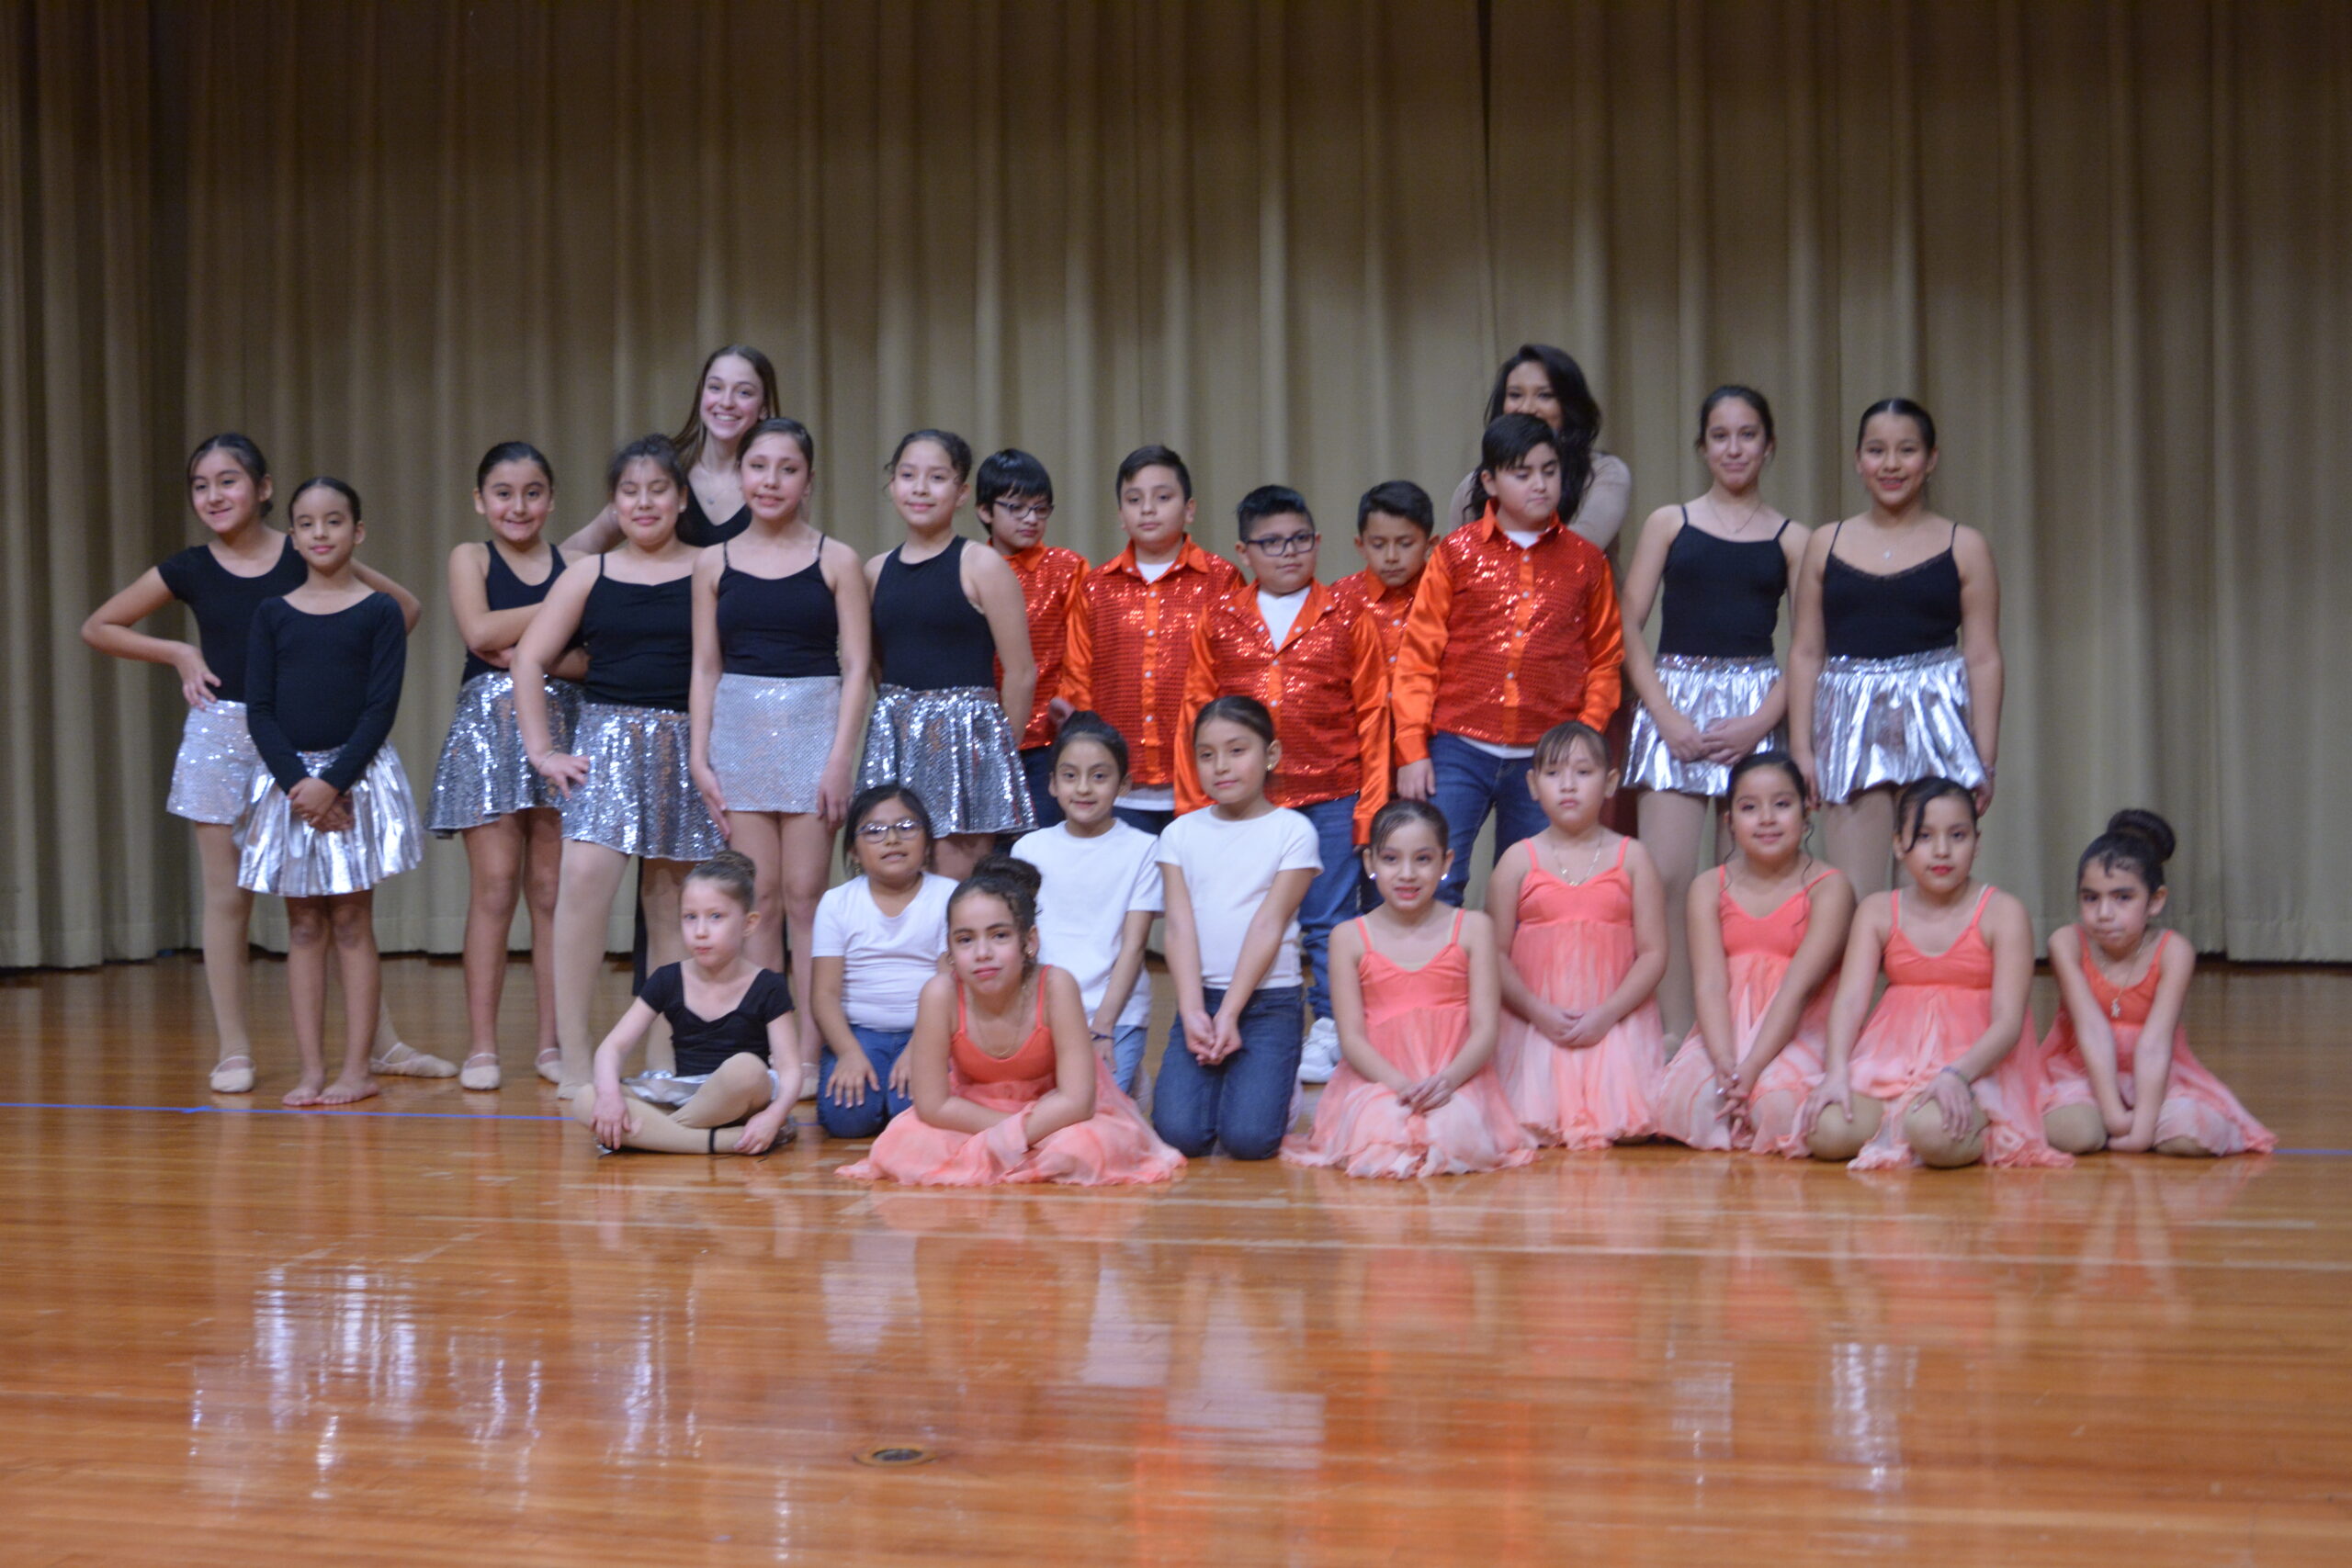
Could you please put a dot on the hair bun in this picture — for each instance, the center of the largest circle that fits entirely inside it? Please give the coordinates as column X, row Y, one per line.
column 733, row 859
column 2136, row 822
column 1011, row 868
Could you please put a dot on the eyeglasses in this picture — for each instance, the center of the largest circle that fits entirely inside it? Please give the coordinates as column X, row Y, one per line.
column 1035, row 512
column 904, row 828
column 1282, row 544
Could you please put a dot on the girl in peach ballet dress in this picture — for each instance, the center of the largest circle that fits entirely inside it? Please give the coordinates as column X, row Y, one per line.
column 1414, row 992
column 1579, row 913
column 1761, row 983
column 1944, row 1073
column 2119, row 1073
column 1004, row 1075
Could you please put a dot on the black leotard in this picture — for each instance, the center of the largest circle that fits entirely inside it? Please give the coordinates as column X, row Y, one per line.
column 1721, row 597
column 696, row 528
column 641, row 641
column 326, row 683
column 1871, row 614
column 927, row 636
column 505, row 591
column 223, row 603
column 703, row 1043
column 778, row 628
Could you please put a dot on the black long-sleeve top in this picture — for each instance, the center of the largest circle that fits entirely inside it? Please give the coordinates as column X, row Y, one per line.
column 326, row 683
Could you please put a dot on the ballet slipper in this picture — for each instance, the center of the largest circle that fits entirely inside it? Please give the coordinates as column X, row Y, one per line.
column 407, row 1062
column 549, row 1067
column 233, row 1074
column 481, row 1071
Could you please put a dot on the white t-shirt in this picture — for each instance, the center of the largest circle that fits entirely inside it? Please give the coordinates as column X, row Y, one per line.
column 884, row 959
column 1228, row 868
column 1090, row 887
column 1280, row 611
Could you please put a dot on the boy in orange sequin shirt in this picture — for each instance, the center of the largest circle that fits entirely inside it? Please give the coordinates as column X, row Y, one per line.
column 1016, row 502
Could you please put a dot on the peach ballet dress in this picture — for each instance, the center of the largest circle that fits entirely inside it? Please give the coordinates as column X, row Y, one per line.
column 2198, row 1106
column 1573, row 944
column 1419, row 1019
column 1115, row 1146
column 1935, row 1007
column 1757, row 952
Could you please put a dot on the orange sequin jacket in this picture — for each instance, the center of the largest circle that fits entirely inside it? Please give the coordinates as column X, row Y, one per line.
column 1127, row 646
column 1050, row 578
column 1390, row 606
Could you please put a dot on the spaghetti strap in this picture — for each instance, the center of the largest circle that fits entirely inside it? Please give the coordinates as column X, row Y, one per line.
column 724, row 559
column 1041, row 995
column 600, row 563
column 1982, row 898
column 1782, row 528
column 1952, row 538
column 1453, row 937
column 1363, row 934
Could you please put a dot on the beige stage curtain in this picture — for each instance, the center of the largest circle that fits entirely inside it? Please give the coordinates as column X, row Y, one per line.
column 2103, row 242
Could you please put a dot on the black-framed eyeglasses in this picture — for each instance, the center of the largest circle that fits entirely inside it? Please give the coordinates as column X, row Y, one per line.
column 1031, row 512
column 1282, row 544
column 904, row 828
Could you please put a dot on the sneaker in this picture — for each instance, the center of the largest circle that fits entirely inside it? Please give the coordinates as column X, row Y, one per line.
column 1320, row 1059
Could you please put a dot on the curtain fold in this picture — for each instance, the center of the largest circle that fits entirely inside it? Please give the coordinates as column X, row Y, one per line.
column 2106, row 244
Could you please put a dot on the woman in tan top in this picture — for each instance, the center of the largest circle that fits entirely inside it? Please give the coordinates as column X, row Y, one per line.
column 1543, row 381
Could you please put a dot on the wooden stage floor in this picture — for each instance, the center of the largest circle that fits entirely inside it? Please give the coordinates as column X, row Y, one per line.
column 439, row 1330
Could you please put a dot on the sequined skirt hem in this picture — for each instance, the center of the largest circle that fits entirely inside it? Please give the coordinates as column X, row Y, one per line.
column 956, row 750
column 1703, row 690
column 484, row 773
column 281, row 854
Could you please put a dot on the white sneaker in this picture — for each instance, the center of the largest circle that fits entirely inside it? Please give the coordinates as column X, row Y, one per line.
column 1320, row 1059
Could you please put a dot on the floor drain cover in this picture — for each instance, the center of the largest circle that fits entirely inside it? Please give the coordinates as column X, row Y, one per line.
column 896, row 1456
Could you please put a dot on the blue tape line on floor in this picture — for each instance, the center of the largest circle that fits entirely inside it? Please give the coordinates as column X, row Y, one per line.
column 290, row 1110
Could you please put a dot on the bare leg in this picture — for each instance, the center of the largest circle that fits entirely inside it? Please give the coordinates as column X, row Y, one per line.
column 1923, row 1128
column 658, row 885
column 354, row 918
column 1858, row 837
column 1672, row 825
column 543, row 866
column 494, row 867
column 755, row 835
column 583, row 906
column 2074, row 1129
column 305, row 989
column 228, row 935
column 1839, row 1137
column 735, row 1091
column 955, row 855
column 807, row 865
column 658, row 1130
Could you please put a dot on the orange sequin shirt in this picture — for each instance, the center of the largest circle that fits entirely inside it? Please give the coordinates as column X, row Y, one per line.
column 1050, row 578
column 1504, row 642
column 1390, row 606
column 1129, row 644
column 1327, row 687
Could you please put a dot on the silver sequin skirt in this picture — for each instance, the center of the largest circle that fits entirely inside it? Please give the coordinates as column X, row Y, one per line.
column 283, row 855
column 957, row 751
column 1891, row 721
column 639, row 794
column 1703, row 690
column 770, row 739
column 212, row 777
column 483, row 774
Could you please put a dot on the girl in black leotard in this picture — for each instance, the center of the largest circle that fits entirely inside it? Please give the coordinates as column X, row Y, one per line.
column 625, row 784
column 944, row 616
column 1713, row 692
column 736, row 390
column 783, row 667
column 485, row 786
column 222, row 582
column 1894, row 672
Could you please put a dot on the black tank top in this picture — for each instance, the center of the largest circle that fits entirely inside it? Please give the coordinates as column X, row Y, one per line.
column 1722, row 596
column 781, row 628
column 927, row 636
column 696, row 528
column 1869, row 614
column 641, row 641
column 222, row 605
column 501, row 590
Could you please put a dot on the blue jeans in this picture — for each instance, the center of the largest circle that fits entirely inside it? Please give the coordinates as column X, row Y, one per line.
column 883, row 1047
column 1152, row 822
column 1126, row 1055
column 1470, row 782
column 1331, row 897
column 1038, row 767
column 1242, row 1102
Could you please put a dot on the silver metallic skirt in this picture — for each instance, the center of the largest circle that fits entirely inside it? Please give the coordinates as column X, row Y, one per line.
column 212, row 777
column 483, row 774
column 283, row 855
column 957, row 751
column 1703, row 690
column 1891, row 721
column 639, row 794
column 770, row 739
